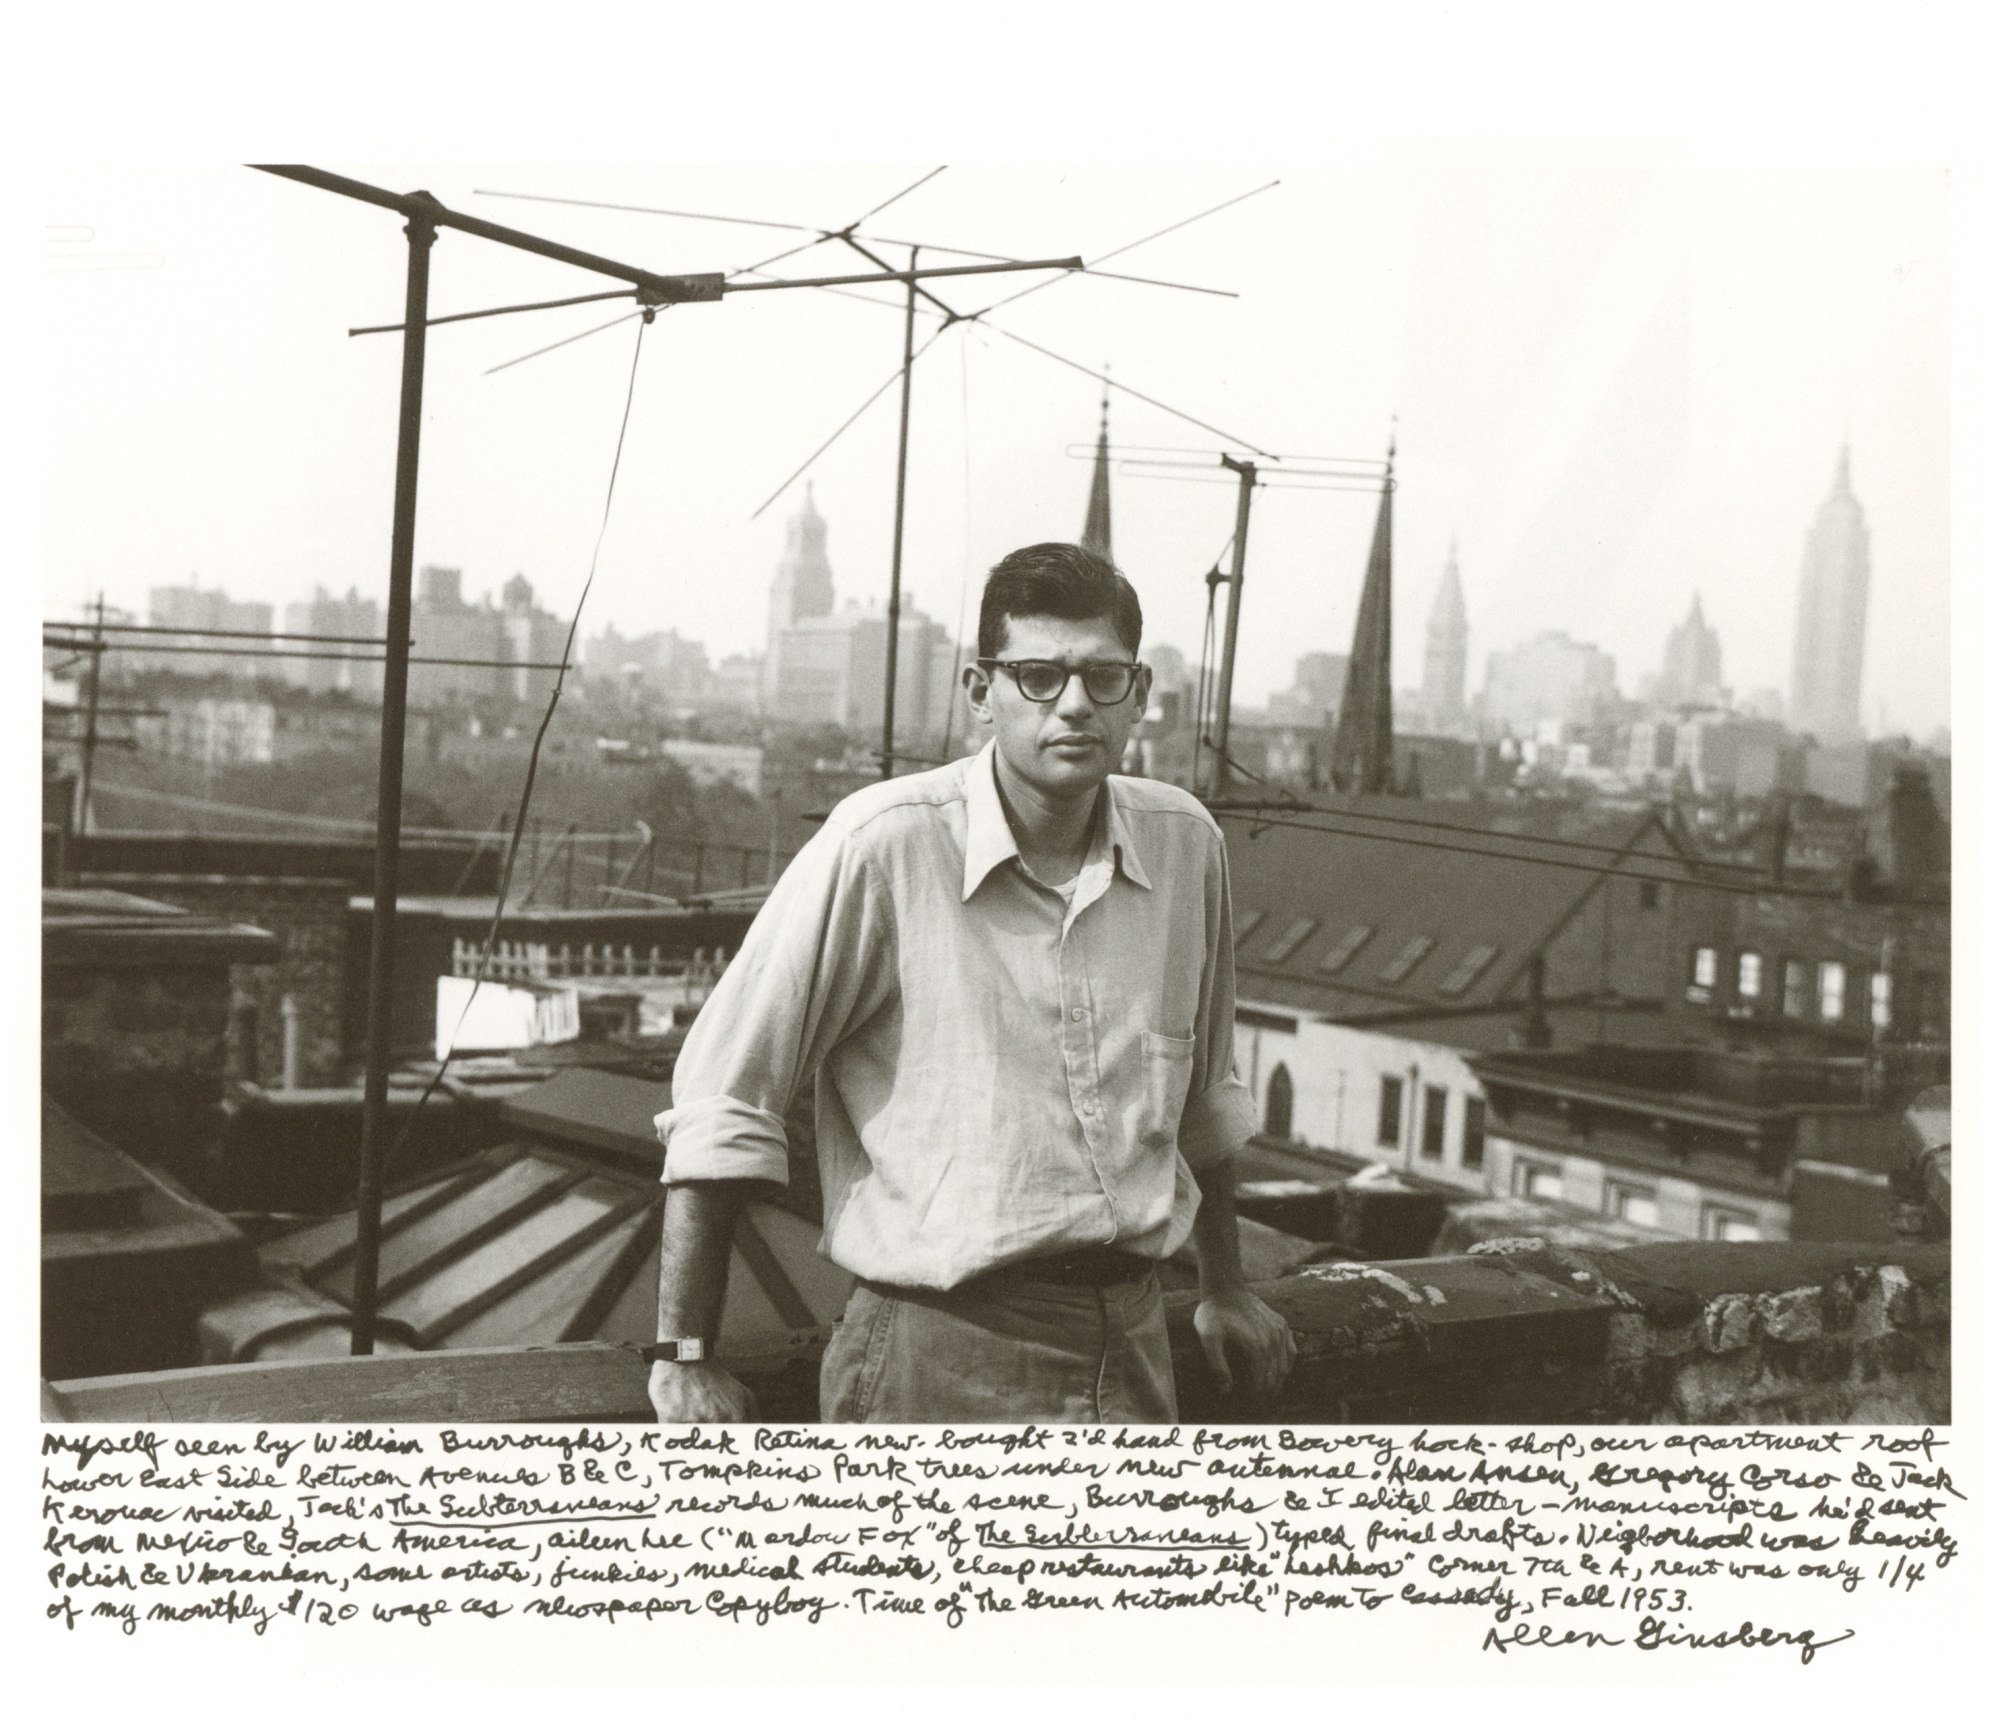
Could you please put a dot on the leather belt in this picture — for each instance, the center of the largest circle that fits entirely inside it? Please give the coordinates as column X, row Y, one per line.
column 1095, row 1265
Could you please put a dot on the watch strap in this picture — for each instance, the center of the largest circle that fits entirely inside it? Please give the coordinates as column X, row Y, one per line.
column 675, row 1351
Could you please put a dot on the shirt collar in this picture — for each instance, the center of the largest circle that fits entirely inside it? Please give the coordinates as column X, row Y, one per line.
column 989, row 839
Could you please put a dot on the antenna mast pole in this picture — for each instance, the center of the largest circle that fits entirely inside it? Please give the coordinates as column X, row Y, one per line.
column 896, row 549
column 1246, row 474
column 422, row 231
column 90, row 722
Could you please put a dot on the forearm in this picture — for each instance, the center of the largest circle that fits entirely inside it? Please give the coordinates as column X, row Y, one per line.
column 696, row 1234
column 1215, row 1245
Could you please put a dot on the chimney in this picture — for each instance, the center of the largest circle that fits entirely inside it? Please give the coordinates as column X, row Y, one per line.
column 1907, row 838
column 1533, row 1033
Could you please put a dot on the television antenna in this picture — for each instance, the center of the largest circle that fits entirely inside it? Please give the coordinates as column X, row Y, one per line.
column 1279, row 471
column 862, row 244
column 424, row 216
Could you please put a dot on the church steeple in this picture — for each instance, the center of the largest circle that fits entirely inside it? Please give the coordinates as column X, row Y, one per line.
column 1363, row 741
column 1097, row 516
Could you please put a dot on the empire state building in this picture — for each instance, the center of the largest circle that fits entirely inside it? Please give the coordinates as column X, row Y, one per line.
column 1833, row 618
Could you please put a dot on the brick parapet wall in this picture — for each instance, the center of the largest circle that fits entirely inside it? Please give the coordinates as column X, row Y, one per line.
column 309, row 919
column 135, row 1053
column 1514, row 1333
column 1517, row 1331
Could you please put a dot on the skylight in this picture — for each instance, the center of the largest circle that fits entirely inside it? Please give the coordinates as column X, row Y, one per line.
column 1408, row 957
column 1470, row 967
column 1343, row 949
column 1290, row 939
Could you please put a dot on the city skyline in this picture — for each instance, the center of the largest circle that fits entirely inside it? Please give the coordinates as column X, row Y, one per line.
column 1641, row 400
column 802, row 595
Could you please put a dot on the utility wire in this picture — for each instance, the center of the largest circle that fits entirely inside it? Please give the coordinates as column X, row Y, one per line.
column 221, row 633
column 851, row 417
column 905, row 192
column 500, row 311
column 1133, row 245
column 506, row 880
column 508, row 364
column 1448, row 827
column 647, row 209
column 821, row 234
column 759, row 267
column 317, row 821
column 1266, row 820
column 288, row 653
column 965, row 554
column 978, row 318
column 859, row 244
column 1126, row 388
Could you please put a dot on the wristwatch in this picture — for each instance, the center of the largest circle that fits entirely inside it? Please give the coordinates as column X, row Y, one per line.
column 676, row 1351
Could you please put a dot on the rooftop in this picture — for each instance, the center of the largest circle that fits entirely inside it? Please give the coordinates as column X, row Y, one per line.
column 1716, row 1086
column 1384, row 915
column 114, row 927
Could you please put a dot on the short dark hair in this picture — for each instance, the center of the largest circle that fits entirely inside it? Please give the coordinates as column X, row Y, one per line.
column 1061, row 580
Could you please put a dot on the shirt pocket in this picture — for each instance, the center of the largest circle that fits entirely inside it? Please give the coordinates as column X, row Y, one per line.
column 1166, row 1065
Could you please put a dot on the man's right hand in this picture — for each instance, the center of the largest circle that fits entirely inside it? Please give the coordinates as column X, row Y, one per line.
column 699, row 1393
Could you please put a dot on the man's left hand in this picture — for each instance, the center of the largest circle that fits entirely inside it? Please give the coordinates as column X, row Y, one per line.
column 1239, row 1322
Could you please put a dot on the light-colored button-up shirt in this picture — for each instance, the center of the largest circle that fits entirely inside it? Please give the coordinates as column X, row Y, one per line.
column 1000, row 1073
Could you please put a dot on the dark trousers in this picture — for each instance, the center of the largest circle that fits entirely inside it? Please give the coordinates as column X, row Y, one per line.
column 1013, row 1352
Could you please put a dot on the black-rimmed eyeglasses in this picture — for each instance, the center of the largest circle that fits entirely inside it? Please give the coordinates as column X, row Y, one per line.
column 1043, row 679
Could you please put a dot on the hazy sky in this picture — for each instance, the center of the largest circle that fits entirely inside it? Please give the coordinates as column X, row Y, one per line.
column 1620, row 375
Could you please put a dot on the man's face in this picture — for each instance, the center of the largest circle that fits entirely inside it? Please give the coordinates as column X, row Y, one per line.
column 1066, row 747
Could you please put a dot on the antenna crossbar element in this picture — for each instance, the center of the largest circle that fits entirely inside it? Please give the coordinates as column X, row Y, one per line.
column 421, row 206
column 773, row 285
column 908, row 274
column 424, row 215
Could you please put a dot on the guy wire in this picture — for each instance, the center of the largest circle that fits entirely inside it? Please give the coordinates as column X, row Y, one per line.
column 506, row 880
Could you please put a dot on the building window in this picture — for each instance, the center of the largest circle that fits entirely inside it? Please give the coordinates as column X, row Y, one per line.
column 1435, row 1100
column 1407, row 958
column 1290, row 939
column 1248, row 924
column 1389, row 1113
column 1649, row 893
column 1343, row 949
column 1729, row 1225
column 1701, row 974
column 1472, row 1140
column 1278, row 1104
column 1880, row 999
column 1797, row 996
column 1749, row 977
column 1538, row 1180
column 1635, row 1204
column 1832, row 991
column 1469, row 968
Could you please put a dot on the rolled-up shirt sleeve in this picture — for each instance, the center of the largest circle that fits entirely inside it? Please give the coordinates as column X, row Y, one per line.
column 818, row 959
column 1219, row 1114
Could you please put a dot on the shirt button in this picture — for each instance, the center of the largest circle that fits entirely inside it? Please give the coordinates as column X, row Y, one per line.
column 1076, row 1015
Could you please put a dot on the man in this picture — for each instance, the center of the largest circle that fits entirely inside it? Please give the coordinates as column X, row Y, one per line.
column 1010, row 980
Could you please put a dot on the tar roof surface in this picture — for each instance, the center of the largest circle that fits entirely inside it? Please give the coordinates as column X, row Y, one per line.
column 1445, row 928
